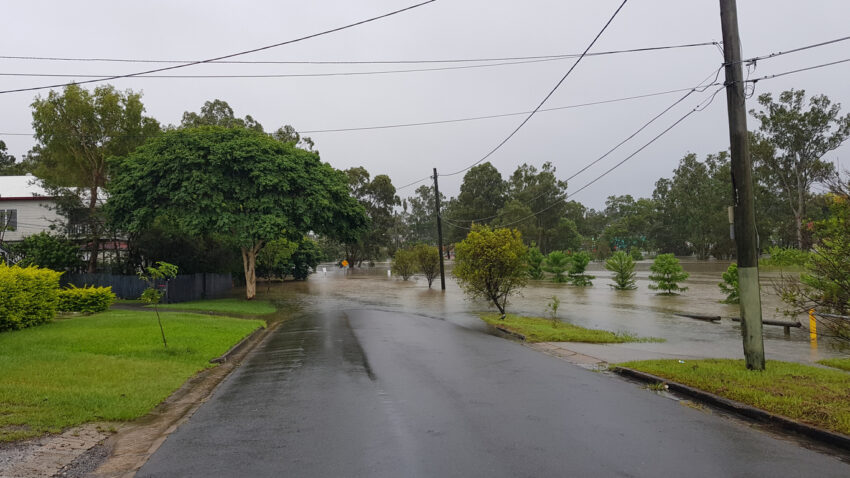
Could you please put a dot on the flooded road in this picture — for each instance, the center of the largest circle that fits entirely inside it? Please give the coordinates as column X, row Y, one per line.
column 641, row 312
column 352, row 386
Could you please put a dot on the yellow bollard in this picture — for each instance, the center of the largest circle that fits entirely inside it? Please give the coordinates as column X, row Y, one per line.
column 813, row 326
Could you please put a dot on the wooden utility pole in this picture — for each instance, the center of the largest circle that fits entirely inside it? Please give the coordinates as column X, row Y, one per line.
column 746, row 240
column 439, row 231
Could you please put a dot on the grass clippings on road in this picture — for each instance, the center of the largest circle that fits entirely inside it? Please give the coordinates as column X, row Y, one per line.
column 110, row 366
column 840, row 363
column 227, row 306
column 808, row 394
column 537, row 329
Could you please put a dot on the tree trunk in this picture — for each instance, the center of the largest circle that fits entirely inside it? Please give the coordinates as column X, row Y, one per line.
column 249, row 263
column 94, row 236
column 499, row 306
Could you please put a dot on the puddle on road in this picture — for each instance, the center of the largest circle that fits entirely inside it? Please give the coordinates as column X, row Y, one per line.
column 639, row 312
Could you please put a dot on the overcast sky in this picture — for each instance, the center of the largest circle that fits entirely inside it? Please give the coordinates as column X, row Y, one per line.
column 446, row 29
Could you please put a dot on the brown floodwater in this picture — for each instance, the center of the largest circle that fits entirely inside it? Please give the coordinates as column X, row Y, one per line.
column 641, row 312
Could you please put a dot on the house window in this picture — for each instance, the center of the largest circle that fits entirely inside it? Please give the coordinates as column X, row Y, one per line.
column 8, row 219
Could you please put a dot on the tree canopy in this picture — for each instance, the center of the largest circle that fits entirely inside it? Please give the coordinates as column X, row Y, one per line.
column 236, row 184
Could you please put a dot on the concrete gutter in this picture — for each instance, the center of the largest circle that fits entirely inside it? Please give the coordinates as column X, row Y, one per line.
column 824, row 436
column 238, row 347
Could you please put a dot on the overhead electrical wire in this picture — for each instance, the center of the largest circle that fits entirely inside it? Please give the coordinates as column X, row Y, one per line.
column 700, row 107
column 777, row 75
column 551, row 92
column 361, row 62
column 793, row 50
column 232, row 55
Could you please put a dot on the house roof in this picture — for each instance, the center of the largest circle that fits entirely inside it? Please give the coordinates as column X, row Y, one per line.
column 20, row 187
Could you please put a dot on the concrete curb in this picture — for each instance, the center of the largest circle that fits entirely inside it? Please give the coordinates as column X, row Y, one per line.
column 509, row 332
column 239, row 346
column 824, row 436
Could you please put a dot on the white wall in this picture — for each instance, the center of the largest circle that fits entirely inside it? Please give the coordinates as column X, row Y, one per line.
column 33, row 217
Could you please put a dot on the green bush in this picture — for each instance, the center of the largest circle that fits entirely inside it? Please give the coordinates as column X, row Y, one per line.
column 785, row 257
column 88, row 300
column 28, row 296
column 404, row 263
column 623, row 267
column 729, row 286
column 666, row 274
column 578, row 263
column 49, row 251
column 535, row 262
column 557, row 263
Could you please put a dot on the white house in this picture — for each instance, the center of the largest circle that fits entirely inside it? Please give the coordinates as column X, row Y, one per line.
column 25, row 208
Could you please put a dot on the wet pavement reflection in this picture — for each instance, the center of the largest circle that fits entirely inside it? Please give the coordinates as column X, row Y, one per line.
column 641, row 311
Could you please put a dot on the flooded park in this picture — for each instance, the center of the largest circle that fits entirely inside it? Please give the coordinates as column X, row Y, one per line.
column 640, row 312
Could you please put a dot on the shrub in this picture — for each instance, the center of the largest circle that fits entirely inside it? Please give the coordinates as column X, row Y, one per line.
column 428, row 261
column 490, row 264
column 636, row 255
column 785, row 257
column 535, row 262
column 729, row 286
column 88, row 300
column 557, row 263
column 578, row 264
column 48, row 251
column 28, row 296
column 623, row 267
column 667, row 273
column 404, row 263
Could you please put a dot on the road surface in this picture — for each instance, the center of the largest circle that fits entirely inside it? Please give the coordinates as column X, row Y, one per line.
column 353, row 393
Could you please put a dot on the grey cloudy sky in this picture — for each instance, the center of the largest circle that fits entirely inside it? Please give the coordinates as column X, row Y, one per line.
column 568, row 138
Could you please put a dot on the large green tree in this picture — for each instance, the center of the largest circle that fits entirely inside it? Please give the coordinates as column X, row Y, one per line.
column 236, row 184
column 544, row 194
column 77, row 132
column 797, row 139
column 8, row 165
column 482, row 194
column 377, row 195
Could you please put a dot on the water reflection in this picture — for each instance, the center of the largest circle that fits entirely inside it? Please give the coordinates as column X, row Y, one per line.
column 640, row 311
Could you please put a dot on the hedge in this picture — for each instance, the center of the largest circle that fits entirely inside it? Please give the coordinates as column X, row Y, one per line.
column 88, row 300
column 28, row 296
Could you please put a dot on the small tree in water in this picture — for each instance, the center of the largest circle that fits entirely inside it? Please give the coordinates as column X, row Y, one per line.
column 729, row 286
column 578, row 264
column 428, row 259
column 404, row 263
column 623, row 267
column 557, row 263
column 152, row 295
column 535, row 262
column 667, row 273
column 491, row 264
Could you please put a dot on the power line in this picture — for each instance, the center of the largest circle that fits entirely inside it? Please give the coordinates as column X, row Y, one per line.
column 794, row 50
column 700, row 107
column 557, row 85
column 777, row 75
column 232, row 55
column 501, row 115
column 361, row 62
column 699, row 88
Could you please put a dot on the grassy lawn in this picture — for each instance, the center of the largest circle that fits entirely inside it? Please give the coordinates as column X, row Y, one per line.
column 105, row 367
column 536, row 329
column 809, row 394
column 843, row 363
column 228, row 306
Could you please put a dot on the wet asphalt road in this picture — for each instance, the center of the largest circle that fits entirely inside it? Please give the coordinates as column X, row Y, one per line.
column 372, row 393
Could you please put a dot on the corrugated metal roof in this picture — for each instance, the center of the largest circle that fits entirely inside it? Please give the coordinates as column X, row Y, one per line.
column 20, row 187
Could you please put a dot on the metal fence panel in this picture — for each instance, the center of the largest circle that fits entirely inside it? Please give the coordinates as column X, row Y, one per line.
column 182, row 288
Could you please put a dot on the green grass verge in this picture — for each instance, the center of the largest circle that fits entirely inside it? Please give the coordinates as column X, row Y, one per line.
column 809, row 394
column 228, row 306
column 843, row 364
column 104, row 367
column 536, row 329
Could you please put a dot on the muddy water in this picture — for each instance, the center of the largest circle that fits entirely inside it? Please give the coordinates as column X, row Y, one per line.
column 639, row 312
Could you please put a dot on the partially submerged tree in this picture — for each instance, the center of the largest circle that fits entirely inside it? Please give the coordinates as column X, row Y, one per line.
column 578, row 265
column 535, row 262
column 490, row 264
column 428, row 260
column 623, row 266
column 239, row 185
column 557, row 263
column 729, row 286
column 667, row 273
column 404, row 263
